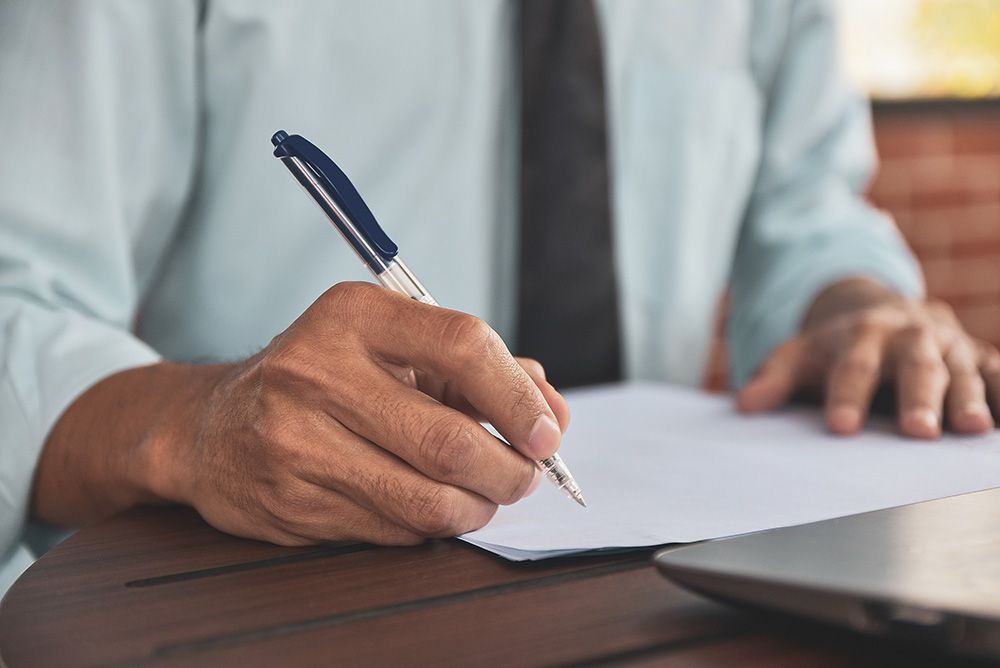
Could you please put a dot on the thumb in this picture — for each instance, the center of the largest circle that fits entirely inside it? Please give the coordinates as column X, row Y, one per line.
column 776, row 379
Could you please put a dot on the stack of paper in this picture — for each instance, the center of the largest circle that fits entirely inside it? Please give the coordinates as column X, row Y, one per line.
column 659, row 464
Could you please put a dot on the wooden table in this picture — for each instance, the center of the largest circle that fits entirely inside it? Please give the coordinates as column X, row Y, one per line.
column 159, row 586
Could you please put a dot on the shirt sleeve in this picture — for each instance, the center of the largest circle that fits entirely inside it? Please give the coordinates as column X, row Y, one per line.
column 99, row 121
column 807, row 224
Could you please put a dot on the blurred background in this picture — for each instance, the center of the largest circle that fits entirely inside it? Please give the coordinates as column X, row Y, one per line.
column 932, row 71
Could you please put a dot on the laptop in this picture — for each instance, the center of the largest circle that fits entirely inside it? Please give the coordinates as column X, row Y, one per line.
column 927, row 572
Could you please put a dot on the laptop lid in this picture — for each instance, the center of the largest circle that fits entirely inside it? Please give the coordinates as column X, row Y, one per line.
column 928, row 571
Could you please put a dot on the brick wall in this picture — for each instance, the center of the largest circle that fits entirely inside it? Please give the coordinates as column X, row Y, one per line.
column 940, row 180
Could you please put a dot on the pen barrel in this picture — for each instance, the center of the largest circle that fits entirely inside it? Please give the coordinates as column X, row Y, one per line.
column 397, row 277
column 556, row 471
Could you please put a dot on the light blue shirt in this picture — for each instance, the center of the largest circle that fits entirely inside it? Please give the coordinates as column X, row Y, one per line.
column 143, row 216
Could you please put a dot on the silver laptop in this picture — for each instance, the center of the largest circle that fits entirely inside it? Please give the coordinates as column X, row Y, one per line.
column 928, row 572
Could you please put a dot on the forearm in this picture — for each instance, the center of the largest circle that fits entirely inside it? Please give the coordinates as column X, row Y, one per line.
column 107, row 451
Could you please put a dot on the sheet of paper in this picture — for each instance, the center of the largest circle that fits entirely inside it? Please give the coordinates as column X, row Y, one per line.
column 659, row 464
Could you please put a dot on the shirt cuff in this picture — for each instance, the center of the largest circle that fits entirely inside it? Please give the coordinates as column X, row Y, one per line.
column 776, row 315
column 48, row 358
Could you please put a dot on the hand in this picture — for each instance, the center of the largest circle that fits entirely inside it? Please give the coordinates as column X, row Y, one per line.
column 858, row 336
column 359, row 422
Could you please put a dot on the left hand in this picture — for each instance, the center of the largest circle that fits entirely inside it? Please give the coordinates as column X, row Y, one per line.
column 859, row 335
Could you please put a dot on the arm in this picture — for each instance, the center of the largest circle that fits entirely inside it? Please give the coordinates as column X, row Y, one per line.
column 823, row 285
column 807, row 224
column 88, row 108
column 360, row 421
column 860, row 334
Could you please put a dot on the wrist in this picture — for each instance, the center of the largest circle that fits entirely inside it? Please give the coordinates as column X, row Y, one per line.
column 121, row 443
column 163, row 464
column 849, row 296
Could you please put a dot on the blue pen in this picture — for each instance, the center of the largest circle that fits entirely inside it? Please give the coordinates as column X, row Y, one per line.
column 339, row 199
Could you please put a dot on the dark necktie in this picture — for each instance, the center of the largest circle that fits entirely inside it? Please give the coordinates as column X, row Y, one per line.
column 568, row 309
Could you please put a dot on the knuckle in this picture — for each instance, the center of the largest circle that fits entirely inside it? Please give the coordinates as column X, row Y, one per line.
column 271, row 505
column 280, row 435
column 516, row 487
column 525, row 401
column 270, row 416
column 962, row 359
column 524, row 397
column 483, row 519
column 383, row 488
column 990, row 357
column 290, row 361
column 293, row 500
column 281, row 500
column 468, row 338
column 924, row 361
column 447, row 446
column 864, row 366
column 969, row 379
column 870, row 322
column 269, row 419
column 277, row 363
column 919, row 335
column 288, row 451
column 532, row 366
column 348, row 296
column 433, row 511
column 295, row 365
column 941, row 309
column 986, row 349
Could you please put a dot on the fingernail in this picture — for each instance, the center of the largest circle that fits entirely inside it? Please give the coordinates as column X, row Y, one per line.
column 976, row 409
column 925, row 420
column 543, row 439
column 845, row 418
column 534, row 483
column 976, row 416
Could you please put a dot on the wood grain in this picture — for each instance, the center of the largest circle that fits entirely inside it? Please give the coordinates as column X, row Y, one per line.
column 160, row 587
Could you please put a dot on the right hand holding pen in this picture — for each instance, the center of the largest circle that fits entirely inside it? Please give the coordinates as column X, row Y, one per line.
column 360, row 422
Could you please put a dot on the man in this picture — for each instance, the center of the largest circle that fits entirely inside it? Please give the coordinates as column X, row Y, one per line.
column 142, row 220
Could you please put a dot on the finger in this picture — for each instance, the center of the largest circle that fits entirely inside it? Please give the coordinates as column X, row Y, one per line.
column 318, row 514
column 451, row 397
column 466, row 353
column 237, row 522
column 853, row 379
column 989, row 367
column 968, row 412
column 387, row 486
column 555, row 400
column 921, row 379
column 557, row 403
column 440, row 442
column 776, row 380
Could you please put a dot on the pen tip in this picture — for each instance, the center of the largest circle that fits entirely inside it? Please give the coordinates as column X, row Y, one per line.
column 579, row 499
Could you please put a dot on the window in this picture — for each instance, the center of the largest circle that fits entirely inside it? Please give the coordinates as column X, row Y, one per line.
column 920, row 49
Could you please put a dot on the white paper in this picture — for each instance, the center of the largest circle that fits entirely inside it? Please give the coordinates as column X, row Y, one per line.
column 658, row 464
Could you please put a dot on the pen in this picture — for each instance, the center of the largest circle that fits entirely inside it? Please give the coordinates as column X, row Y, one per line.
column 340, row 200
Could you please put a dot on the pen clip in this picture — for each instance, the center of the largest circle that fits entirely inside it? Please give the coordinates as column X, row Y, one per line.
column 338, row 187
